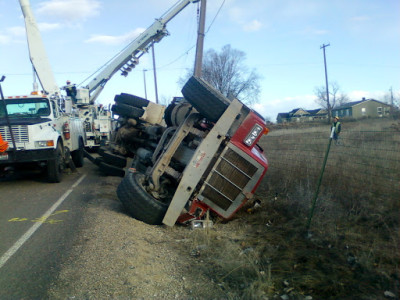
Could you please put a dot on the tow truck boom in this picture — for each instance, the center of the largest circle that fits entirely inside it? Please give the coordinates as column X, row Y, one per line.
column 37, row 51
column 128, row 58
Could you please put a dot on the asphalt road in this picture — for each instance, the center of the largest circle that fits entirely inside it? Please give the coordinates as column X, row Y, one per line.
column 39, row 222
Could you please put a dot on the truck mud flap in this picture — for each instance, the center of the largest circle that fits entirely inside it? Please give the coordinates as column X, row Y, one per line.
column 207, row 101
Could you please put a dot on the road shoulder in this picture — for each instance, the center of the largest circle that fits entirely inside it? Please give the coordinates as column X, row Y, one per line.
column 116, row 256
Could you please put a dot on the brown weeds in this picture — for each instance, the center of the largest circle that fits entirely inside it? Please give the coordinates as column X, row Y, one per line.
column 353, row 247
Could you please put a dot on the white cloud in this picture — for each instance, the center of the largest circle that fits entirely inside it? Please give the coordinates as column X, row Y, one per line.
column 115, row 40
column 12, row 35
column 236, row 14
column 300, row 8
column 313, row 31
column 358, row 95
column 360, row 18
column 48, row 26
column 319, row 32
column 242, row 17
column 16, row 31
column 4, row 39
column 70, row 10
column 254, row 25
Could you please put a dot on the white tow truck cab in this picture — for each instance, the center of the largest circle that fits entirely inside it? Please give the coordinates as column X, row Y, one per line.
column 40, row 133
column 40, row 128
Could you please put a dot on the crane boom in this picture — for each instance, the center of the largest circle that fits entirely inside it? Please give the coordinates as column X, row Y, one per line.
column 37, row 52
column 128, row 58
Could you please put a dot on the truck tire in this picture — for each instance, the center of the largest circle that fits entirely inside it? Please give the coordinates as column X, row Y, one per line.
column 127, row 110
column 55, row 167
column 78, row 155
column 207, row 100
column 131, row 100
column 138, row 202
column 114, row 159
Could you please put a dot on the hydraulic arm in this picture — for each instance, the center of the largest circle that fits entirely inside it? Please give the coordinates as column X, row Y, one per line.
column 37, row 51
column 128, row 58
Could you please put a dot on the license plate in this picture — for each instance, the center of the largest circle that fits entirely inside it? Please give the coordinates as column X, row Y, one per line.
column 3, row 156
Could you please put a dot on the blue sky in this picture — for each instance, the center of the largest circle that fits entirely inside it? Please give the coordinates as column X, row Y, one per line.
column 281, row 39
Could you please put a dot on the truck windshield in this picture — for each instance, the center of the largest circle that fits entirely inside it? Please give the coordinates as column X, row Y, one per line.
column 27, row 107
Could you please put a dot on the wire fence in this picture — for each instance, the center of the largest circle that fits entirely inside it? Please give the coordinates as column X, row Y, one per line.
column 361, row 164
column 357, row 208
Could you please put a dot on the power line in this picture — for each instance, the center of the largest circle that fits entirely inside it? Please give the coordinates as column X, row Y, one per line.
column 208, row 29
column 216, row 15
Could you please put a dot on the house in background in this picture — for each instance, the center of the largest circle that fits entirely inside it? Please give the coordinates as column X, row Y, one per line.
column 302, row 115
column 282, row 118
column 318, row 114
column 363, row 108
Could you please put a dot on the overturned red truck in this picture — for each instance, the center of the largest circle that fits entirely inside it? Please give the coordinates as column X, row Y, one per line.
column 205, row 156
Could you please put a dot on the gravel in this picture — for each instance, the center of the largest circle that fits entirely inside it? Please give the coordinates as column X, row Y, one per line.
column 117, row 257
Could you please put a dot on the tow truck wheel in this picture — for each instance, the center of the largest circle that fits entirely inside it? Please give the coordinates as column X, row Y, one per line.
column 55, row 167
column 78, row 155
column 127, row 110
column 139, row 204
column 209, row 102
column 131, row 100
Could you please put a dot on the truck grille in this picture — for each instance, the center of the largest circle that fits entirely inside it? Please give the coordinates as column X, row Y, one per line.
column 232, row 177
column 20, row 133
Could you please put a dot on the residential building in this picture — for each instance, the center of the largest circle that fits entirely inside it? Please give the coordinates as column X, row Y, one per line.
column 302, row 115
column 363, row 108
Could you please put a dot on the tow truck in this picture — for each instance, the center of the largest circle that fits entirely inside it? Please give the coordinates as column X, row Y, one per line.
column 41, row 128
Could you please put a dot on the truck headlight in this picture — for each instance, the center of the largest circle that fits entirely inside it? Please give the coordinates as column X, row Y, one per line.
column 253, row 135
column 41, row 144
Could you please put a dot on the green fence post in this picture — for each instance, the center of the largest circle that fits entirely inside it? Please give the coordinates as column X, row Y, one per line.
column 319, row 182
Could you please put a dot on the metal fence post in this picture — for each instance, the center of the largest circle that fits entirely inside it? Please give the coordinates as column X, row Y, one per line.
column 319, row 181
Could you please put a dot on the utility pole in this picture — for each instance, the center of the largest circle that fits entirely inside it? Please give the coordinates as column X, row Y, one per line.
column 144, row 80
column 200, row 40
column 155, row 73
column 391, row 101
column 326, row 83
column 391, row 96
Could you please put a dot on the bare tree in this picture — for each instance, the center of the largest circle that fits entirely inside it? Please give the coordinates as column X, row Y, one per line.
column 227, row 72
column 336, row 97
column 391, row 98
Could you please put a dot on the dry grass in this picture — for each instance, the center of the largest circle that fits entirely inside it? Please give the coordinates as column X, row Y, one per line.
column 353, row 250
